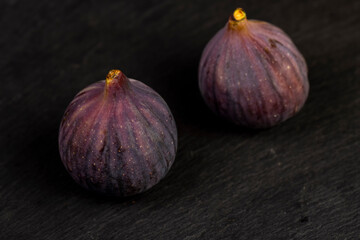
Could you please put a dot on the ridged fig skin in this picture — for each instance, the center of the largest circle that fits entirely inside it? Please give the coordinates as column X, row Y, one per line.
column 117, row 137
column 252, row 74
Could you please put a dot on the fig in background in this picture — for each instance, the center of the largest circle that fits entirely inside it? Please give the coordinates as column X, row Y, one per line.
column 252, row 73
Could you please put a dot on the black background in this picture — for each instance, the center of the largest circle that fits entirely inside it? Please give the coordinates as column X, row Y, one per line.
column 298, row 180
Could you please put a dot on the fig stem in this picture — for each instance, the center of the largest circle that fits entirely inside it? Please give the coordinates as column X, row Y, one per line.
column 113, row 74
column 115, row 80
column 239, row 15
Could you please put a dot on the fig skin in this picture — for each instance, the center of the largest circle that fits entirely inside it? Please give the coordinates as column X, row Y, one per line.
column 252, row 73
column 117, row 137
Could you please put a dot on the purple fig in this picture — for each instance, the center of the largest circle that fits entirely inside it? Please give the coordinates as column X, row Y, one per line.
column 252, row 73
column 117, row 137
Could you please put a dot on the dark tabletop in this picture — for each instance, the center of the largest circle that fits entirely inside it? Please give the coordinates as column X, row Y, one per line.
column 298, row 180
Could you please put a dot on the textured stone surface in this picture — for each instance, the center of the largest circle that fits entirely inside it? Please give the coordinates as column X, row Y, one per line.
column 299, row 180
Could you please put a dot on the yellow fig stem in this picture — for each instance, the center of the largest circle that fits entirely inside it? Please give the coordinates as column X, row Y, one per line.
column 115, row 80
column 239, row 15
column 112, row 75
column 238, row 20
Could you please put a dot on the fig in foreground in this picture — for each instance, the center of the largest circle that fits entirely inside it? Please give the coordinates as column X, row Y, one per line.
column 117, row 137
column 252, row 73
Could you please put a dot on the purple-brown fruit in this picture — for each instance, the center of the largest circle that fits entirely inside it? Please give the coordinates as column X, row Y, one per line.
column 252, row 74
column 117, row 137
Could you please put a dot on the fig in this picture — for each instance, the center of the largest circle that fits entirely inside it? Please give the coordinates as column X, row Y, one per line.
column 252, row 74
column 117, row 137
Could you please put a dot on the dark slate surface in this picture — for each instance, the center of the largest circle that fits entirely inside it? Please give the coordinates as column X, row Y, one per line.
column 299, row 180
